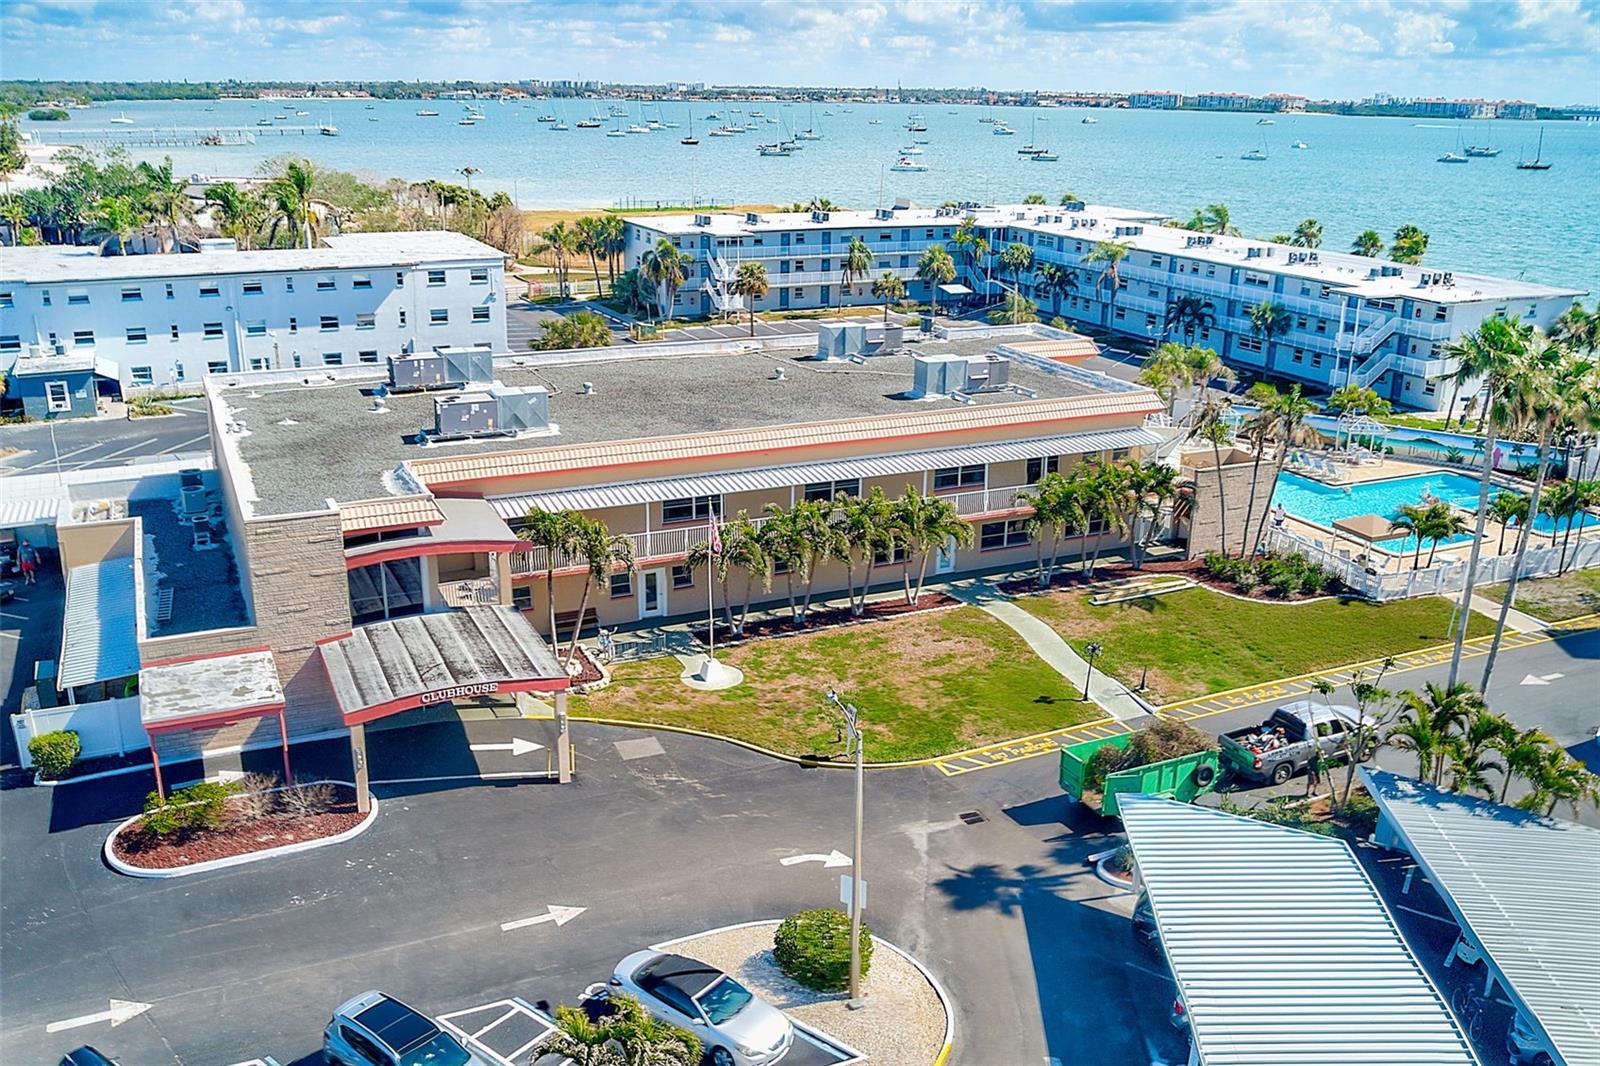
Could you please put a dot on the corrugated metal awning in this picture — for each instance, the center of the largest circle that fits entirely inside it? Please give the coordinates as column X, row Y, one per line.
column 776, row 477
column 397, row 512
column 1525, row 888
column 28, row 511
column 100, row 629
column 1283, row 951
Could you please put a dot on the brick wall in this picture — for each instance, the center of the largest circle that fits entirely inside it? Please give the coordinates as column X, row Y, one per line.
column 1205, row 530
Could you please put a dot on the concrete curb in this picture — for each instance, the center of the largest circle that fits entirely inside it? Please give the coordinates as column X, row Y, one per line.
column 127, row 870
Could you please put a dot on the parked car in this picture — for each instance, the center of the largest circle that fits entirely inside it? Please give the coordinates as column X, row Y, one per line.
column 1525, row 1046
column 375, row 1029
column 1281, row 747
column 737, row 1027
column 86, row 1056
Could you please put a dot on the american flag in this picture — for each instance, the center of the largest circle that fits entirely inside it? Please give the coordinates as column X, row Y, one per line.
column 716, row 538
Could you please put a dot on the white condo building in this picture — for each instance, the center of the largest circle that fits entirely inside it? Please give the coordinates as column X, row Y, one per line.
column 1354, row 319
column 156, row 322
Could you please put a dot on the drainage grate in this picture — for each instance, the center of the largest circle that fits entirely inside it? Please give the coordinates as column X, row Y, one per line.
column 971, row 817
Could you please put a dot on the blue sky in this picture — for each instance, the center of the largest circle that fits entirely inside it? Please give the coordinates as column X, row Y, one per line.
column 1543, row 50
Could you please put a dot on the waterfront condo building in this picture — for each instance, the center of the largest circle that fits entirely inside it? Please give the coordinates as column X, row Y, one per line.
column 75, row 323
column 1352, row 318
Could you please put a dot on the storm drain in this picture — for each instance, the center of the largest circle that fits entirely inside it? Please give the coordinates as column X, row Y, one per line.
column 971, row 817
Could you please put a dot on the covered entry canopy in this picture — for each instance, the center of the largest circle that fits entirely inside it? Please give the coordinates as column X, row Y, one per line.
column 395, row 665
column 210, row 691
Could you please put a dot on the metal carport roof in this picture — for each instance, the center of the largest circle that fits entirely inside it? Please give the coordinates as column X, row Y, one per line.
column 1525, row 888
column 100, row 629
column 1281, row 947
column 775, row 477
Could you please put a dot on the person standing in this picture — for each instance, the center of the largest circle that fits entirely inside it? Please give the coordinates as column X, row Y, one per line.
column 28, row 563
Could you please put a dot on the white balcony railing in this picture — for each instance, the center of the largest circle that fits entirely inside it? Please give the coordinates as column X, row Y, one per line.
column 470, row 591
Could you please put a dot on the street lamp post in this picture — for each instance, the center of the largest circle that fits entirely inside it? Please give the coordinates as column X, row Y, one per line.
column 1090, row 650
column 853, row 732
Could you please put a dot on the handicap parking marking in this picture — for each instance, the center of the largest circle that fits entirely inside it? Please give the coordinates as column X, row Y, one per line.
column 1027, row 748
column 505, row 1031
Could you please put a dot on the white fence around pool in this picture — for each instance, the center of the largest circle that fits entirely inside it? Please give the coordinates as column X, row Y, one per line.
column 1444, row 577
column 106, row 727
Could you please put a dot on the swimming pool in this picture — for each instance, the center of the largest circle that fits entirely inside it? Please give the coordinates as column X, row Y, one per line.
column 1321, row 504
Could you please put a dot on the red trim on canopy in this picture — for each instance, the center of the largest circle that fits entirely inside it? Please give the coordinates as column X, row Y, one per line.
column 211, row 719
column 406, row 703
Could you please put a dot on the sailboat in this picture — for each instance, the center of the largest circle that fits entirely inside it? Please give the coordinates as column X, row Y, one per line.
column 121, row 120
column 1257, row 155
column 1537, row 162
column 1033, row 134
column 1484, row 151
column 905, row 164
column 810, row 132
column 590, row 123
column 1455, row 156
column 329, row 130
column 691, row 139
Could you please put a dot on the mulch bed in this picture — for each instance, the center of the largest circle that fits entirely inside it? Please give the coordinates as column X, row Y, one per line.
column 151, row 852
column 826, row 619
column 1194, row 569
column 588, row 670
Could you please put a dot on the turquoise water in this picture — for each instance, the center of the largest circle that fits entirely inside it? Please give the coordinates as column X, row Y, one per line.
column 1322, row 504
column 1486, row 216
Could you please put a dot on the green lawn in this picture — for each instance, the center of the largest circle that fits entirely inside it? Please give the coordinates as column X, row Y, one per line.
column 1554, row 599
column 1198, row 641
column 926, row 685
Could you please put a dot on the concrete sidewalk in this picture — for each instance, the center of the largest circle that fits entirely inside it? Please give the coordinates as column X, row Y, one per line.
column 1111, row 695
column 1516, row 621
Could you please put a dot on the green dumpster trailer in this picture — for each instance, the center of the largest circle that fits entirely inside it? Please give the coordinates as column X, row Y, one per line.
column 1185, row 778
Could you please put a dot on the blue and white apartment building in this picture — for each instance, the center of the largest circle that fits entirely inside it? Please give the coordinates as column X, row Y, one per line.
column 1354, row 319
column 74, row 322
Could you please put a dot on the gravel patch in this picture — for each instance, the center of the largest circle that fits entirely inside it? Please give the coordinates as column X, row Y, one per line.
column 902, row 1024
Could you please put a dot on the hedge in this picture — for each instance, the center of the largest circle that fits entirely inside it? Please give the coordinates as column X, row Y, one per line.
column 813, row 947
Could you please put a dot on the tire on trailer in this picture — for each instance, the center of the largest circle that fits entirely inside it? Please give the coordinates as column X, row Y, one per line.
column 1204, row 775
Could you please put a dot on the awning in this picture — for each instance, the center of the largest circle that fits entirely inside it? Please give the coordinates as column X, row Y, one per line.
column 209, row 691
column 1068, row 349
column 782, row 477
column 392, row 666
column 1525, row 889
column 955, row 289
column 394, row 512
column 1282, row 948
column 468, row 525
column 100, row 629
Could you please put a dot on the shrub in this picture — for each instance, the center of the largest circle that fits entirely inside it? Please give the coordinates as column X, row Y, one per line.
column 54, row 753
column 254, row 800
column 306, row 798
column 201, row 806
column 813, row 947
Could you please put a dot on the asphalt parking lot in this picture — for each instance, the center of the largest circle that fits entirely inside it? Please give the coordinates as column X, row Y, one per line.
column 105, row 442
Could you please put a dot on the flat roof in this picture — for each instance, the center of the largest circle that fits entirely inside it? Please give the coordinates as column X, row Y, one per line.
column 1282, row 948
column 1526, row 890
column 63, row 263
column 640, row 395
column 100, row 629
column 209, row 690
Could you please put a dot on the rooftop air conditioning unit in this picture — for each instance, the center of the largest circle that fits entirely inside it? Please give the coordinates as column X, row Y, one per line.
column 987, row 372
column 523, row 409
column 408, row 373
column 752, row 219
column 841, row 340
column 1076, row 205
column 883, row 214
column 467, row 366
column 702, row 220
column 471, row 414
column 820, row 216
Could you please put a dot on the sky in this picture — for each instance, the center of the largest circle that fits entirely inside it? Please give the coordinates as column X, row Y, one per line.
column 1542, row 50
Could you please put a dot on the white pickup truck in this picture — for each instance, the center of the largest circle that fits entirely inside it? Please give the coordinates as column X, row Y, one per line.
column 1281, row 747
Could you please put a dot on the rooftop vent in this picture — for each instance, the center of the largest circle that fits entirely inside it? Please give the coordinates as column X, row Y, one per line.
column 841, row 340
column 498, row 411
column 1076, row 205
column 751, row 218
column 883, row 214
column 779, row 374
column 586, row 389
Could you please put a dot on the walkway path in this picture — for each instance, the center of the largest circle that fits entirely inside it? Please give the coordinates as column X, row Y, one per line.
column 1111, row 695
column 1516, row 621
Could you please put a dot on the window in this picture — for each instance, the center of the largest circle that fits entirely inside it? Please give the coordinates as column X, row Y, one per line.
column 132, row 294
column 328, row 323
column 402, row 316
column 255, row 328
column 827, row 490
column 694, row 508
column 44, row 297
column 385, row 590
column 294, row 324
column 1119, row 454
column 252, row 288
column 368, row 355
column 1440, row 313
column 480, row 275
column 11, row 342
column 258, row 362
column 435, row 277
column 889, row 558
column 367, row 320
column 137, row 335
column 212, row 331
column 361, row 281
column 439, row 316
column 288, row 284
column 995, row 535
column 170, row 294
column 6, row 300
column 177, row 370
column 480, row 314
column 77, row 297
column 56, row 396
column 682, row 576
column 333, row 359
column 174, row 331
column 326, row 283
column 83, row 338
column 217, row 366
column 141, row 375
column 622, row 585
column 958, row 477
column 399, row 279
column 1038, row 468
column 1250, row 344
column 210, row 289
column 799, row 294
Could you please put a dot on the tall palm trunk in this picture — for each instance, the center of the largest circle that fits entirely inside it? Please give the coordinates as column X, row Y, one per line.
column 1222, row 497
column 1250, row 503
column 1266, row 506
column 1464, row 606
column 550, row 587
column 594, row 264
column 577, row 625
column 1450, row 410
column 1524, row 537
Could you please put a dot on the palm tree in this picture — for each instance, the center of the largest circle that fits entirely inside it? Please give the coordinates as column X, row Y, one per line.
column 936, row 268
column 1016, row 309
column 888, row 288
column 591, row 241
column 1217, row 219
column 1188, row 315
column 1505, row 508
column 861, row 529
column 799, row 538
column 1409, row 245
column 853, row 265
column 1108, row 255
column 1521, row 755
column 667, row 267
column 1445, row 710
column 553, row 531
column 1413, row 521
column 164, row 200
column 1033, row 198
column 1578, row 328
column 742, row 548
column 1442, row 522
column 1053, row 282
column 1257, row 429
column 603, row 553
column 1307, row 234
column 114, row 218
column 1586, row 494
column 1368, row 243
column 1166, row 370
column 1358, row 398
column 923, row 526
column 1471, row 755
column 1048, row 499
column 239, row 214
column 1016, row 258
column 783, row 541
column 1559, row 778
column 1291, row 409
column 1155, row 486
column 561, row 242
column 613, row 233
column 1069, row 198
column 1269, row 321
column 291, row 199
column 1212, row 424
column 1493, row 350
column 750, row 283
column 1205, row 366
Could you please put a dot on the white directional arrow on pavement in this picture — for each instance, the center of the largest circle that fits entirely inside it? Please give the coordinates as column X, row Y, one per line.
column 1545, row 679
column 833, row 858
column 119, row 1011
column 517, row 746
column 559, row 915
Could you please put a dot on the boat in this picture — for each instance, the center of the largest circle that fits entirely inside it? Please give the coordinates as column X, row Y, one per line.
column 634, row 127
column 616, row 130
column 588, row 123
column 427, row 114
column 1043, row 156
column 874, row 121
column 210, row 109
column 476, row 116
column 690, row 140
column 121, row 120
column 758, row 114
column 280, row 118
column 369, row 107
column 1257, row 155
column 466, row 122
column 910, row 149
column 713, row 117
column 774, row 149
column 1002, row 130
column 546, row 118
column 1537, row 162
column 1266, row 122
column 372, row 118
column 1482, row 151
column 329, row 129
column 1089, row 120
column 810, row 132
column 1302, row 145
column 721, row 131
column 1033, row 134
column 907, row 164
column 263, row 122
column 561, row 126
column 1457, row 156
column 302, row 114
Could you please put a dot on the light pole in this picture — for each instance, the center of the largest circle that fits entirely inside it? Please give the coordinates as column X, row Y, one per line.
column 1090, row 650
column 853, row 733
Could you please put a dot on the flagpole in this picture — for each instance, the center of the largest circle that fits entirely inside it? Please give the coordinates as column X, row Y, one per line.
column 715, row 546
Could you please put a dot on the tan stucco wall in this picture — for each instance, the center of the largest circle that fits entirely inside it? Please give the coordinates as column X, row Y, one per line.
column 95, row 542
